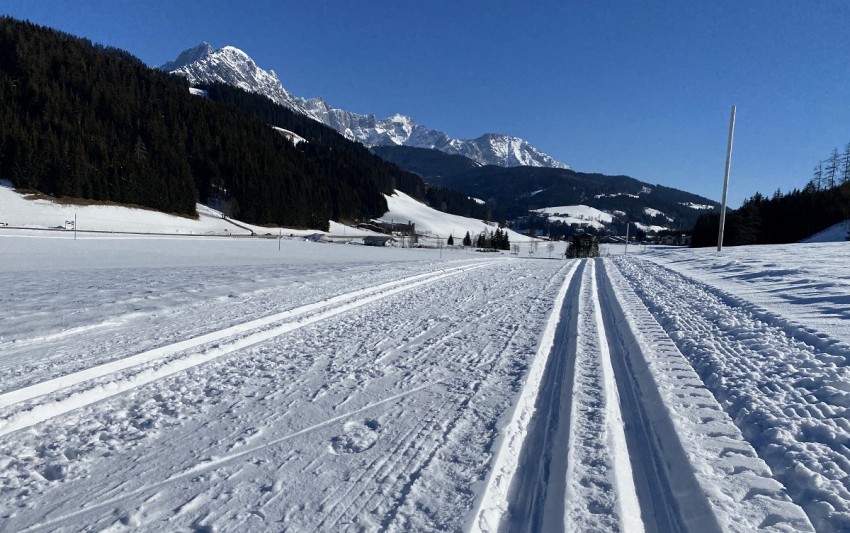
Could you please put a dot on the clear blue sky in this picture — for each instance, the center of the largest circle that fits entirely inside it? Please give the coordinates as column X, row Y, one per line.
column 642, row 88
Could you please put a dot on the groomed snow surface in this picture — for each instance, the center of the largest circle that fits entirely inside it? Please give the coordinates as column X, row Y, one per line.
column 208, row 384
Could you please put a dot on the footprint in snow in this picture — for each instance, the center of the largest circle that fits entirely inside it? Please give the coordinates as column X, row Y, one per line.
column 358, row 436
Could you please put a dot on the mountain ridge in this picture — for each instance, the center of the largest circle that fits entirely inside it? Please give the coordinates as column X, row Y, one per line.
column 202, row 64
column 511, row 193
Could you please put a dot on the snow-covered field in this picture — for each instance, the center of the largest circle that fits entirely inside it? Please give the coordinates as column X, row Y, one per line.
column 578, row 214
column 188, row 383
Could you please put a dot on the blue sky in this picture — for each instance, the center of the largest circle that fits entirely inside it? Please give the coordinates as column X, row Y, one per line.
column 642, row 88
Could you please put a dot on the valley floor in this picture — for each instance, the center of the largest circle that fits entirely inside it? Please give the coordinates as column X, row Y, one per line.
column 227, row 386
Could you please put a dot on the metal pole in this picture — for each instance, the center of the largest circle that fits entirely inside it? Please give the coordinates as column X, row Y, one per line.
column 626, row 252
column 75, row 226
column 726, row 181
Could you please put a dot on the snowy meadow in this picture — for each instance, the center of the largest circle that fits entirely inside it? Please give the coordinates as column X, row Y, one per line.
column 173, row 383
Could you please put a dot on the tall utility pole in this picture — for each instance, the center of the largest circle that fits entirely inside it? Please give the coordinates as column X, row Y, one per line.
column 627, row 239
column 726, row 181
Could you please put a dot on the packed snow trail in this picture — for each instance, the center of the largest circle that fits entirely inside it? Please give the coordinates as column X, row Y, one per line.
column 600, row 492
column 789, row 397
column 382, row 417
column 501, row 394
column 677, row 464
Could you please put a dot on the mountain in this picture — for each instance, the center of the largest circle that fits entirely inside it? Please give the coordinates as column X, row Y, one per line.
column 202, row 64
column 511, row 193
column 425, row 162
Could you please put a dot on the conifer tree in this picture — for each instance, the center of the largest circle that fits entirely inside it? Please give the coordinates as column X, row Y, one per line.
column 467, row 240
column 845, row 161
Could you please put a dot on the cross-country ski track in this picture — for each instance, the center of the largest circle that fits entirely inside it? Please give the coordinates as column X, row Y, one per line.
column 488, row 394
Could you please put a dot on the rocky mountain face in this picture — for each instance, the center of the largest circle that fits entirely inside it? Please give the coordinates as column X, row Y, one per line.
column 202, row 64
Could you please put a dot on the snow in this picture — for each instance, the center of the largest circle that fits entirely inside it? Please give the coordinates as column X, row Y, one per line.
column 16, row 210
column 577, row 214
column 233, row 66
column 403, row 208
column 650, row 228
column 293, row 137
column 21, row 211
column 697, row 206
column 767, row 329
column 614, row 195
column 493, row 503
column 836, row 233
column 170, row 383
column 655, row 213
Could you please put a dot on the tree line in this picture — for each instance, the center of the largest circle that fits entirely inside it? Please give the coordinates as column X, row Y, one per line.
column 833, row 171
column 783, row 218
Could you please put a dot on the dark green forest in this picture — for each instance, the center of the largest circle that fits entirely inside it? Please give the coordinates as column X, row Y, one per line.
column 783, row 218
column 85, row 121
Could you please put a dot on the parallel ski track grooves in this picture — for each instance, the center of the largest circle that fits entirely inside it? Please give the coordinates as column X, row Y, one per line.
column 418, row 442
column 659, row 508
column 599, row 475
column 246, row 334
column 492, row 504
column 535, row 490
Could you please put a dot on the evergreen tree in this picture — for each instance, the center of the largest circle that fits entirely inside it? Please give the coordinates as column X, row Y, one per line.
column 467, row 240
column 817, row 178
column 450, row 241
column 833, row 166
column 845, row 162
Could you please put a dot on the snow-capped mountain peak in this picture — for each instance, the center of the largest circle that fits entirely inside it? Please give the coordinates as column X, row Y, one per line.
column 230, row 65
column 188, row 56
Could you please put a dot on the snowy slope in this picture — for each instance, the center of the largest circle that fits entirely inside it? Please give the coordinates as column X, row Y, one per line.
column 578, row 214
column 836, row 233
column 404, row 209
column 39, row 212
column 17, row 210
column 230, row 65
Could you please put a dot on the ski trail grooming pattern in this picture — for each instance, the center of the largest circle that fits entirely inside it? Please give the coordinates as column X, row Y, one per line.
column 628, row 508
column 493, row 503
column 733, row 490
column 781, row 391
column 601, row 494
column 39, row 412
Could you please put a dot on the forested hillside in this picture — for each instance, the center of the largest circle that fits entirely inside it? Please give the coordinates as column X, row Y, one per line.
column 350, row 157
column 426, row 162
column 786, row 217
column 85, row 121
column 511, row 192
column 783, row 218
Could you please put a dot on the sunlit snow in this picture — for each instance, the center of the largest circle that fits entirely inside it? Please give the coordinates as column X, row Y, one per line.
column 171, row 383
